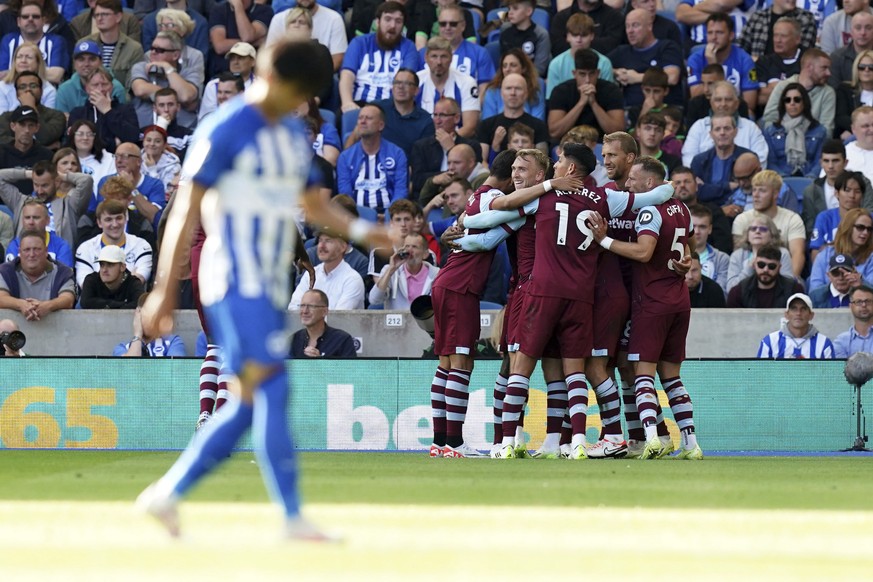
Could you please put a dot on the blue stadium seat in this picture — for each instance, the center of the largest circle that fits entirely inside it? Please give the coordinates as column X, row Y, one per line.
column 350, row 118
column 798, row 184
column 368, row 213
column 328, row 116
column 598, row 152
column 477, row 23
column 489, row 305
column 668, row 14
column 379, row 306
column 541, row 17
column 493, row 49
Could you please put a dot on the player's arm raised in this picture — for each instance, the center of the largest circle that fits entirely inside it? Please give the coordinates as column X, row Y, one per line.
column 641, row 250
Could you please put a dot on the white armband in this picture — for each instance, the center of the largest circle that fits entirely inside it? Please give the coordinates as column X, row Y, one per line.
column 607, row 242
column 547, row 185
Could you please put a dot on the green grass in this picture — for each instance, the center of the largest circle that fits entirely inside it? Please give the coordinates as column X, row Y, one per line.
column 802, row 483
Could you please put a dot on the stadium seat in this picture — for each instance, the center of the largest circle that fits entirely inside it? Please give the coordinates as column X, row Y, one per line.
column 698, row 48
column 541, row 17
column 378, row 306
column 668, row 14
column 493, row 49
column 477, row 23
column 798, row 184
column 598, row 152
column 328, row 116
column 350, row 118
column 489, row 305
column 368, row 213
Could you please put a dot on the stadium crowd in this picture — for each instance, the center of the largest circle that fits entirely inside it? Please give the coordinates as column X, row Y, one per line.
column 761, row 112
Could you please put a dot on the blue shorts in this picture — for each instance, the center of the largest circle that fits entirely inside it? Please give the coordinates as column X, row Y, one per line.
column 249, row 330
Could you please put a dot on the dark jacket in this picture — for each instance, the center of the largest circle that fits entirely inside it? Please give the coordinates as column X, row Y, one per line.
column 119, row 122
column 701, row 166
column 707, row 294
column 427, row 156
column 333, row 343
column 746, row 293
column 96, row 295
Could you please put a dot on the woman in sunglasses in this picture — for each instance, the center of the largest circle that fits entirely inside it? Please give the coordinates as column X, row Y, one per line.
column 854, row 237
column 851, row 95
column 795, row 139
column 760, row 232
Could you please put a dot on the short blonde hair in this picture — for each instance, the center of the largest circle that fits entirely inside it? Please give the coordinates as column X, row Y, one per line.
column 767, row 178
column 184, row 24
column 296, row 13
column 541, row 159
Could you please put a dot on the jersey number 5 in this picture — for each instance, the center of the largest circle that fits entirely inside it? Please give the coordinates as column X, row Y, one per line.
column 677, row 246
column 563, row 218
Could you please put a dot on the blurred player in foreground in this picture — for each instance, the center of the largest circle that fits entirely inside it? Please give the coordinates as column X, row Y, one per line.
column 247, row 170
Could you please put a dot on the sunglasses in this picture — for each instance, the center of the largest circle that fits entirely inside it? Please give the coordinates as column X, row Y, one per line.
column 865, row 67
column 768, row 266
column 450, row 23
column 759, row 229
column 861, row 228
column 796, row 99
column 159, row 50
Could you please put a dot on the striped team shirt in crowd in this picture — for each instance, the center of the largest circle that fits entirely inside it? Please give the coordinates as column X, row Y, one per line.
column 780, row 346
column 375, row 68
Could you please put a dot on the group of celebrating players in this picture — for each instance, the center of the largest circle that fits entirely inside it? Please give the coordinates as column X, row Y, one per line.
column 597, row 283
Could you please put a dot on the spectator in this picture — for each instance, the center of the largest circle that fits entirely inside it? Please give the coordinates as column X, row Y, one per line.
column 118, row 51
column 148, row 194
column 761, row 232
column 53, row 21
column 664, row 27
column 765, row 189
column 693, row 14
column 797, row 338
column 439, row 79
column 166, row 112
column 454, row 199
column 112, row 286
column 23, row 151
column 608, row 21
column 492, row 130
column 317, row 339
column 699, row 107
column 714, row 165
column 515, row 61
column 7, row 230
column 686, row 189
column 843, row 59
column 713, row 262
column 299, row 28
column 7, row 325
column 51, row 121
column 405, row 277
column 747, row 166
column 757, row 36
column 95, row 161
column 141, row 345
column 426, row 20
column 115, row 122
column 328, row 28
column 165, row 67
column 356, row 259
column 521, row 32
column 783, row 62
column 738, row 66
column 405, row 121
column 724, row 101
column 629, row 61
column 822, row 193
column 461, row 163
column 850, row 190
column 34, row 285
column 859, row 153
column 178, row 16
column 402, row 224
column 766, row 288
column 585, row 100
column 854, row 238
column 853, row 94
column 65, row 161
column 704, row 292
column 220, row 89
column 158, row 159
column 815, row 70
column 655, row 88
column 836, row 30
column 85, row 22
column 842, row 277
column 72, row 92
column 112, row 220
column 385, row 49
column 35, row 217
column 64, row 211
column 232, row 22
column 580, row 35
column 26, row 58
column 342, row 284
column 795, row 140
column 429, row 155
column 858, row 338
column 119, row 188
column 327, row 140
column 467, row 56
column 53, row 47
column 372, row 171
column 650, row 129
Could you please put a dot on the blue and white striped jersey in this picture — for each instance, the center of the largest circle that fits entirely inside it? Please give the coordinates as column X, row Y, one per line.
column 780, row 346
column 375, row 68
column 255, row 172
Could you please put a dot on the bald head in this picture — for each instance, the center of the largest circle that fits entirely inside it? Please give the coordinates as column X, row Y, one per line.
column 461, row 160
column 514, row 92
column 747, row 163
column 8, row 325
column 638, row 26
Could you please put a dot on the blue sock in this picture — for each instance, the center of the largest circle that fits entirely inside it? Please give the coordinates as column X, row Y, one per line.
column 273, row 446
column 210, row 447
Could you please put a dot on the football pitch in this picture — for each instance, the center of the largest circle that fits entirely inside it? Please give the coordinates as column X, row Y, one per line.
column 69, row 515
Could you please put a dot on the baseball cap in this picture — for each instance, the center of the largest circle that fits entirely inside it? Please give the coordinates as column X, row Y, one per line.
column 111, row 254
column 23, row 113
column 243, row 49
column 802, row 297
column 88, row 47
column 841, row 262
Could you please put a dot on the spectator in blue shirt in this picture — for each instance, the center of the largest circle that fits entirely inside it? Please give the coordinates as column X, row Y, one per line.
column 373, row 171
column 405, row 121
column 142, row 346
column 849, row 189
column 35, row 216
column 53, row 47
column 317, row 339
column 858, row 338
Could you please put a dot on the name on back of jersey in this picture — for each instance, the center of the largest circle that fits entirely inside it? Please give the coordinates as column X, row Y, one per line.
column 674, row 209
column 583, row 192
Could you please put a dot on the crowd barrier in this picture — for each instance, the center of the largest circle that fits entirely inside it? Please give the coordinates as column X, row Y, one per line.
column 384, row 404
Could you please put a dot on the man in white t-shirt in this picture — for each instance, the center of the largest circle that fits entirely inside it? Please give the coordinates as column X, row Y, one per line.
column 343, row 285
column 859, row 153
column 327, row 28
